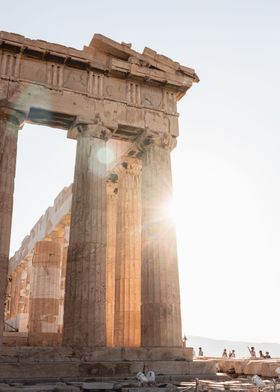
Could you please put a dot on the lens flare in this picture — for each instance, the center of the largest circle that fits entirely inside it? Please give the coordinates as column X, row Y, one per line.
column 105, row 155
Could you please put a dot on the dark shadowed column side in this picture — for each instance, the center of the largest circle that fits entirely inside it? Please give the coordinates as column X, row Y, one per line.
column 10, row 122
column 85, row 294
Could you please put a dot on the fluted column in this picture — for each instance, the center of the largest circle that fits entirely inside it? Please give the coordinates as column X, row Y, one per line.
column 10, row 121
column 8, row 300
column 160, row 309
column 58, row 236
column 112, row 194
column 128, row 255
column 14, row 292
column 63, row 266
column 44, row 295
column 85, row 296
column 20, row 300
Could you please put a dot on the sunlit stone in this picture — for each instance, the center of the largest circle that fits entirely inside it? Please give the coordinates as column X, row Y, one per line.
column 114, row 273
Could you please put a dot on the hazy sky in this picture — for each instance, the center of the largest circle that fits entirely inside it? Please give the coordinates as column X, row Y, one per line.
column 226, row 165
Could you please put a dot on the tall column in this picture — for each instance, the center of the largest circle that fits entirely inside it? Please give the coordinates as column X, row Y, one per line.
column 128, row 255
column 20, row 296
column 14, row 292
column 62, row 287
column 8, row 299
column 112, row 194
column 44, row 295
column 85, row 296
column 58, row 236
column 10, row 121
column 160, row 308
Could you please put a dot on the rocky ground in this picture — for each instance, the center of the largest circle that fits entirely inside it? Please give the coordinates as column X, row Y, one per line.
column 222, row 383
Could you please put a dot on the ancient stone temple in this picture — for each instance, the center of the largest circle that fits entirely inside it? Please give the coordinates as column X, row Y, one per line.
column 104, row 273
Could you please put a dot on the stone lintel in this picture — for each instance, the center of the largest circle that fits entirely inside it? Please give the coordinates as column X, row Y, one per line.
column 106, row 56
column 44, row 50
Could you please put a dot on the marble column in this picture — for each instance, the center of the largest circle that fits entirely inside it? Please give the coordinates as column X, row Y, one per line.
column 160, row 304
column 14, row 292
column 128, row 255
column 62, row 287
column 85, row 295
column 44, row 294
column 58, row 236
column 10, row 121
column 8, row 299
column 112, row 195
column 20, row 296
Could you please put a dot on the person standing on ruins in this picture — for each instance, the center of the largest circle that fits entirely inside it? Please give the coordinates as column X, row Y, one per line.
column 224, row 355
column 200, row 352
column 252, row 352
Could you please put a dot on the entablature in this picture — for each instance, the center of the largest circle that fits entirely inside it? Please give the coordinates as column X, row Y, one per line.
column 128, row 90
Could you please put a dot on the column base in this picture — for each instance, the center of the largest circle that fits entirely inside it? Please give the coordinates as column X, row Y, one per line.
column 44, row 339
column 46, row 362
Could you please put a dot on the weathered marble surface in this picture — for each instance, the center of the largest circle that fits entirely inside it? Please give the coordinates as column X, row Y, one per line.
column 105, row 91
column 85, row 292
column 45, row 294
column 10, row 122
column 127, row 323
column 160, row 301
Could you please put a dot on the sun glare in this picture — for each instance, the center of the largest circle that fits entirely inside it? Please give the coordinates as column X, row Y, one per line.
column 171, row 211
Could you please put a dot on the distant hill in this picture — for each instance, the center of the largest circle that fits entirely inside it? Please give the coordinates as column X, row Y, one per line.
column 214, row 348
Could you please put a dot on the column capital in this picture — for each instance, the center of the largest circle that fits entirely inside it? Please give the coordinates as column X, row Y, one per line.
column 150, row 138
column 96, row 129
column 13, row 116
column 130, row 165
column 93, row 130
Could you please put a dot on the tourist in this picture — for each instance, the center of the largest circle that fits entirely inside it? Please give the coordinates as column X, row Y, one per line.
column 261, row 354
column 224, row 355
column 252, row 352
column 267, row 355
column 200, row 352
column 231, row 354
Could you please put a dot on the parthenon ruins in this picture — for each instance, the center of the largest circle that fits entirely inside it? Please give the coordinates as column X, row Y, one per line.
column 99, row 270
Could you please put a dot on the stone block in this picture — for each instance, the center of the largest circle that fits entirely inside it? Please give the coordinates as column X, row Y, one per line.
column 62, row 387
column 38, row 388
column 95, row 386
column 7, row 388
column 202, row 367
column 140, row 354
column 144, row 389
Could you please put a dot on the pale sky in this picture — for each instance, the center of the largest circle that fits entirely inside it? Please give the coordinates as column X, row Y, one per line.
column 227, row 162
